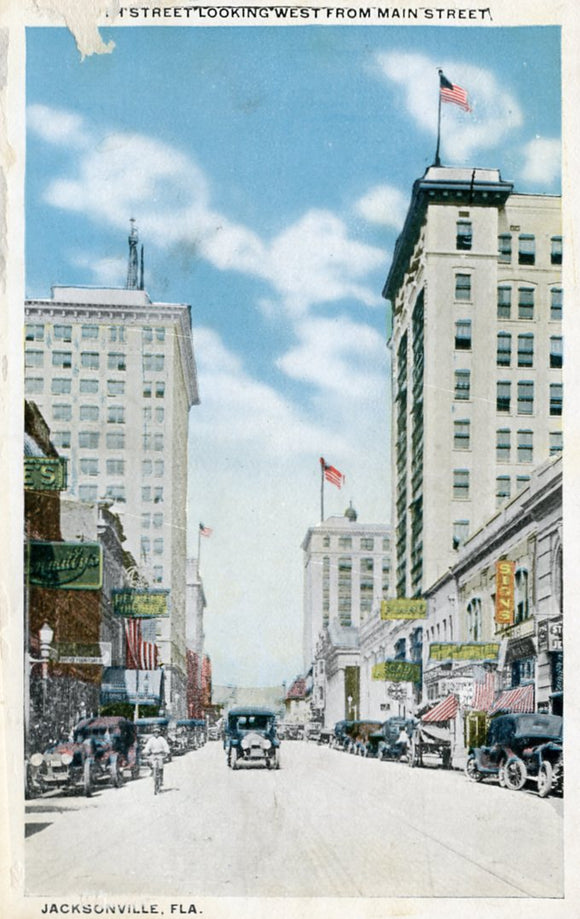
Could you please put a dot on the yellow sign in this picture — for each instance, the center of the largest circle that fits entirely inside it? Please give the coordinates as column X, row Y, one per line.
column 397, row 672
column 143, row 604
column 404, row 608
column 470, row 651
column 504, row 592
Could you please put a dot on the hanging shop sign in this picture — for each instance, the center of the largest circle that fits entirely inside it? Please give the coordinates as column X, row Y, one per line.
column 65, row 565
column 555, row 636
column 469, row 651
column 504, row 592
column 45, row 473
column 140, row 604
column 397, row 672
column 404, row 608
column 73, row 652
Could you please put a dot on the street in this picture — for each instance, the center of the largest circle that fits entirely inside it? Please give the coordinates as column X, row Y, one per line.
column 326, row 824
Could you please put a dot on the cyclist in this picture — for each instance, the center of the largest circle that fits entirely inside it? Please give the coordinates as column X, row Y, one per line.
column 155, row 750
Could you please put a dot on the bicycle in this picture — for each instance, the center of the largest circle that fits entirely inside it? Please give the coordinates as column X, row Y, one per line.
column 157, row 761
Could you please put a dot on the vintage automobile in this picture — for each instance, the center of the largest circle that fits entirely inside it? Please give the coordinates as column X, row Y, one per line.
column 185, row 735
column 341, row 738
column 433, row 740
column 521, row 747
column 250, row 736
column 384, row 743
column 101, row 750
column 325, row 737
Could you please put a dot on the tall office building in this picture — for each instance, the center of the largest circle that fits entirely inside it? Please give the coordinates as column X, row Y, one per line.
column 476, row 297
column 114, row 375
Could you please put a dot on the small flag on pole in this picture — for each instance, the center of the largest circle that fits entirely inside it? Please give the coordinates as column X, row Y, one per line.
column 451, row 92
column 205, row 531
column 331, row 474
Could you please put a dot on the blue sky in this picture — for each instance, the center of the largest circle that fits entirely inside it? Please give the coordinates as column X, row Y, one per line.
column 269, row 171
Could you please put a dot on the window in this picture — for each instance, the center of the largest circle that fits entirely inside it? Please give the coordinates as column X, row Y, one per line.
column 159, row 414
column 34, row 332
column 556, row 250
column 502, row 490
column 60, row 386
column 89, row 439
column 526, row 350
column 153, row 442
column 345, row 542
column 521, row 482
column 153, row 362
column 504, row 302
column 147, row 467
column 89, row 386
column 147, row 334
column 157, row 574
column 460, row 532
column 115, row 387
column 34, row 359
column 503, row 445
column 116, row 440
column 34, row 385
column 147, row 414
column 117, row 333
column 386, row 544
column 89, row 413
column 556, row 304
column 462, row 384
column 158, row 546
column 525, row 303
column 116, row 414
column 345, row 590
column 89, row 467
column 504, row 246
column 62, row 359
column 504, row 349
column 89, row 331
column 366, row 586
column 461, row 434
column 62, row 412
column 525, row 397
column 159, row 390
column 474, row 619
column 556, row 352
column 90, row 360
column 522, row 595
column 115, row 492
column 463, row 334
column 61, row 439
column 463, row 235
column 157, row 521
column 146, row 493
column 556, row 442
column 115, row 467
column 503, row 396
column 400, row 649
column 116, row 360
column 147, row 389
column 63, row 333
column 463, row 287
column 88, row 493
column 145, row 547
column 159, row 467
column 145, row 521
column 556, row 395
column 160, row 334
column 527, row 249
column 461, row 484
column 367, row 544
column 525, row 446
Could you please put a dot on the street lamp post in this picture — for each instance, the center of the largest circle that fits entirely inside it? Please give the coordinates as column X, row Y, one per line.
column 46, row 635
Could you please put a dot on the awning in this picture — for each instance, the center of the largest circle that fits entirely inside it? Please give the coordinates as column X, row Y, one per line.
column 443, row 711
column 143, row 687
column 483, row 693
column 520, row 699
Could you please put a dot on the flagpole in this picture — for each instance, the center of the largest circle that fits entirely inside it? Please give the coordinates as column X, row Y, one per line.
column 321, row 490
column 437, row 158
column 198, row 548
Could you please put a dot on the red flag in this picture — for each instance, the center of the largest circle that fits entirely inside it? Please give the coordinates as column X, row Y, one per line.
column 451, row 92
column 331, row 474
column 140, row 655
column 205, row 531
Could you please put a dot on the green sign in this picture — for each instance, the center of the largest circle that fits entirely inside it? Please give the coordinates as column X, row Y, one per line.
column 471, row 651
column 44, row 473
column 404, row 608
column 67, row 565
column 143, row 604
column 397, row 672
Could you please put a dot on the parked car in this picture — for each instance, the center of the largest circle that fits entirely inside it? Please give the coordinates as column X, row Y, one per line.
column 101, row 750
column 341, row 737
column 384, row 744
column 312, row 731
column 326, row 736
column 521, row 747
column 186, row 734
column 250, row 736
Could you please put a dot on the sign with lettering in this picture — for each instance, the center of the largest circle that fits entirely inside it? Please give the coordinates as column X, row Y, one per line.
column 469, row 651
column 555, row 636
column 65, row 565
column 141, row 604
column 504, row 592
column 44, row 473
column 404, row 608
column 397, row 671
column 72, row 652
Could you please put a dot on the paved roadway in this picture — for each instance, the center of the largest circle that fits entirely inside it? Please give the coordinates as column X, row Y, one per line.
column 326, row 824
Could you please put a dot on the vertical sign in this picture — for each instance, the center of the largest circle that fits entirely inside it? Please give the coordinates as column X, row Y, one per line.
column 504, row 592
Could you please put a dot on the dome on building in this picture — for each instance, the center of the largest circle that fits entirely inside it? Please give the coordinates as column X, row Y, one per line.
column 351, row 513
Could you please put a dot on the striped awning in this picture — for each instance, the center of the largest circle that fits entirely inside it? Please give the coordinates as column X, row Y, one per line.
column 483, row 693
column 443, row 711
column 520, row 699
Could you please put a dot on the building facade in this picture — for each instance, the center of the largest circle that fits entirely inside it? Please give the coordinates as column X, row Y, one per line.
column 476, row 297
column 114, row 375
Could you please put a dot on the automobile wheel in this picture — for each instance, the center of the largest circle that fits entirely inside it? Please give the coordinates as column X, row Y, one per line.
column 277, row 759
column 545, row 779
column 471, row 770
column 412, row 756
column 234, row 758
column 515, row 774
column 87, row 779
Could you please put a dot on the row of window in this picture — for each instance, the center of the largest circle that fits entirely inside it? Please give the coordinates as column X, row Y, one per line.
column 117, row 333
column 525, row 394
column 366, row 543
column 526, row 244
column 461, row 477
column 115, row 413
column 525, row 302
column 62, row 386
column 90, row 360
column 90, row 440
column 462, row 440
column 148, row 544
column 463, row 342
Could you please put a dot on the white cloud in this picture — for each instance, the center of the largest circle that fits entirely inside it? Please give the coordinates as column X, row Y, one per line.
column 495, row 111
column 542, row 160
column 384, row 205
column 108, row 272
column 57, row 126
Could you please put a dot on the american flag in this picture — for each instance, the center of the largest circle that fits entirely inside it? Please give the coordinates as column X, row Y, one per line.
column 205, row 531
column 139, row 654
column 331, row 474
column 451, row 92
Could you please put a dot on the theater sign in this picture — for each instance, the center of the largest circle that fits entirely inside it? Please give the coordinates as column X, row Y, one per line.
column 65, row 565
